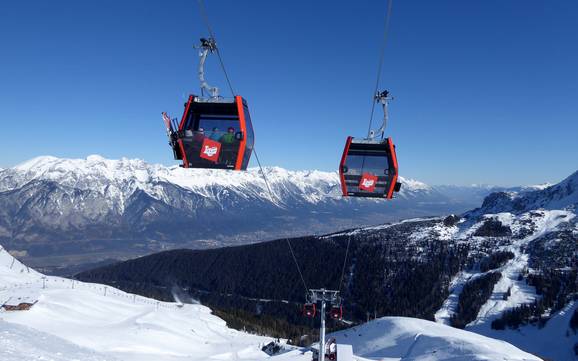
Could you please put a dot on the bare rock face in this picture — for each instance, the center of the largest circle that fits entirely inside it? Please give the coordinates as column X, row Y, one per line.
column 451, row 220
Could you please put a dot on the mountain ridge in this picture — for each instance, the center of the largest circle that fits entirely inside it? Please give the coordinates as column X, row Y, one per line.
column 54, row 206
column 562, row 195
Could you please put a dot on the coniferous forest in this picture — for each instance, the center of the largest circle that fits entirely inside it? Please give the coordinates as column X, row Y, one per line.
column 388, row 272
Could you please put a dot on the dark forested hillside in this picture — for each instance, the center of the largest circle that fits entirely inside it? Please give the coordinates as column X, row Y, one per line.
column 404, row 269
column 386, row 274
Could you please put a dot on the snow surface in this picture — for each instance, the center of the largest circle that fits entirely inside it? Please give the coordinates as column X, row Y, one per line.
column 83, row 321
column 552, row 341
column 555, row 341
column 405, row 339
column 548, row 221
column 16, row 345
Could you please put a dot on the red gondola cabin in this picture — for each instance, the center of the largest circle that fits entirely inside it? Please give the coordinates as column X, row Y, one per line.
column 309, row 310
column 214, row 134
column 336, row 312
column 369, row 168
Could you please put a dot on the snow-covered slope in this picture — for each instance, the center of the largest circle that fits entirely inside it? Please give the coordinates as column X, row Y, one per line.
column 83, row 321
column 405, row 339
column 73, row 320
column 538, row 228
column 19, row 343
column 559, row 196
column 529, row 231
column 51, row 206
column 555, row 340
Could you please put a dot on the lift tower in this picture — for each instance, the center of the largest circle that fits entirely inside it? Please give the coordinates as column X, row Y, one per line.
column 324, row 296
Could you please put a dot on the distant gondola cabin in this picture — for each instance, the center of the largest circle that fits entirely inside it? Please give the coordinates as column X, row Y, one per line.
column 369, row 168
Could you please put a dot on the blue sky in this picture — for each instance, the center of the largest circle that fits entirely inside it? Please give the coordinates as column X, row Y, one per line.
column 485, row 91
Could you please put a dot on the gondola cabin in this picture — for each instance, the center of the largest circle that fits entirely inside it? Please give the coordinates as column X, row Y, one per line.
column 369, row 168
column 309, row 310
column 213, row 133
column 336, row 312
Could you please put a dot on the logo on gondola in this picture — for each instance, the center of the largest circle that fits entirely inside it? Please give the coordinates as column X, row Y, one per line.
column 368, row 182
column 210, row 150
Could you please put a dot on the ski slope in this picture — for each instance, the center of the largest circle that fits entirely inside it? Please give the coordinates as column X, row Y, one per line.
column 73, row 320
column 555, row 341
column 89, row 319
column 410, row 339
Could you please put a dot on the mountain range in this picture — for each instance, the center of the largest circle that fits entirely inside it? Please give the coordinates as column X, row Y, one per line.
column 55, row 210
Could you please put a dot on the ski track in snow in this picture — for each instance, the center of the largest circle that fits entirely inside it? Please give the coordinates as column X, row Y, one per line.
column 528, row 337
column 520, row 291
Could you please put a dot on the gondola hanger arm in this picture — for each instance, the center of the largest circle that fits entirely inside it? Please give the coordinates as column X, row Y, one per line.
column 206, row 47
column 383, row 98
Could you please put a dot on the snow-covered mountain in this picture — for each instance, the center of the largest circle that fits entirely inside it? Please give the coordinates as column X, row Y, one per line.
column 527, row 257
column 53, row 206
column 506, row 273
column 559, row 196
column 72, row 320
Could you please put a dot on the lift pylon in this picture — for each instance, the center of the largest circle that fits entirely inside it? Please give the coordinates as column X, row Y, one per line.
column 322, row 296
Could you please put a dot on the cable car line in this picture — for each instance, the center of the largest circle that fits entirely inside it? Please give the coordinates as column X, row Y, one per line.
column 214, row 132
column 286, row 239
column 380, row 65
column 232, row 150
column 205, row 17
column 368, row 166
column 344, row 264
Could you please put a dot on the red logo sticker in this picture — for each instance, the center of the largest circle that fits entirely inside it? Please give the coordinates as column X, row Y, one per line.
column 210, row 150
column 368, row 182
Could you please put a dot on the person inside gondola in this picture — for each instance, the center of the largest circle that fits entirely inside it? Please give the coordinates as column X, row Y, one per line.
column 229, row 137
column 215, row 134
column 196, row 140
column 228, row 150
column 199, row 136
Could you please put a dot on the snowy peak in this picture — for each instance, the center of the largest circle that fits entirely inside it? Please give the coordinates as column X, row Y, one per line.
column 563, row 195
column 96, row 170
column 69, row 203
column 60, row 202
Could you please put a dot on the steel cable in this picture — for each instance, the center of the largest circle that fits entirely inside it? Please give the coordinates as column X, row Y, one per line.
column 271, row 196
column 379, row 67
column 203, row 11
